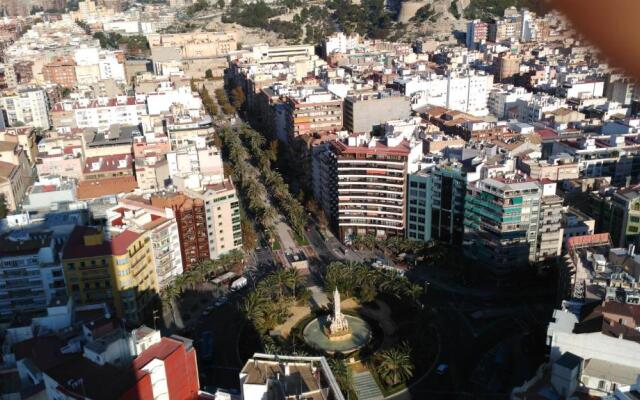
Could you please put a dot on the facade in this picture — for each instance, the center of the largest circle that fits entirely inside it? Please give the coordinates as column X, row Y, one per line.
column 312, row 113
column 119, row 270
column 511, row 222
column 30, row 273
column 447, row 213
column 61, row 71
column 618, row 214
column 27, row 105
column 363, row 187
column 140, row 216
column 222, row 209
column 191, row 220
column 196, row 44
column 477, row 32
column 15, row 174
column 419, row 199
column 364, row 111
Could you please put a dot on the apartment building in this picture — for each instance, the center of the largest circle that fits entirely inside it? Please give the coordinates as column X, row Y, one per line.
column 365, row 110
column 100, row 113
column 195, row 166
column 502, row 98
column 360, row 184
column 61, row 71
column 30, row 273
column 310, row 111
column 114, row 166
column 191, row 220
column 140, row 216
column 118, row 270
column 477, row 32
column 463, row 90
column 617, row 212
column 511, row 222
column 533, row 109
column 27, row 105
column 15, row 174
column 222, row 209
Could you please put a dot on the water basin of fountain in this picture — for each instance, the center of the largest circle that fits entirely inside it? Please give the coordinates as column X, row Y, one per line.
column 315, row 334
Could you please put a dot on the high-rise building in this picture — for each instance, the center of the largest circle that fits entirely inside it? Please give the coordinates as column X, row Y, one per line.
column 27, row 105
column 222, row 209
column 477, row 32
column 419, row 205
column 364, row 111
column 30, row 273
column 360, row 184
column 208, row 221
column 139, row 216
column 192, row 227
column 617, row 213
column 511, row 222
column 119, row 270
column 436, row 203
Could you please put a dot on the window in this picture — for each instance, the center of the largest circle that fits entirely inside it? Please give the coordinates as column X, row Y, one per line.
column 602, row 385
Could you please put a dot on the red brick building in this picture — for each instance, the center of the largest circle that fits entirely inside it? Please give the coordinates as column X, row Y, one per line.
column 61, row 71
column 192, row 226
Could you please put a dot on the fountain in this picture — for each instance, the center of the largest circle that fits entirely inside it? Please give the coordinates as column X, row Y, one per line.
column 337, row 332
column 338, row 328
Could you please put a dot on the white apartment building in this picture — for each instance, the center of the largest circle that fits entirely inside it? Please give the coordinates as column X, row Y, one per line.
column 100, row 113
column 167, row 97
column 532, row 110
column 26, row 105
column 589, row 345
column 195, row 166
column 504, row 97
column 223, row 217
column 467, row 91
column 111, row 67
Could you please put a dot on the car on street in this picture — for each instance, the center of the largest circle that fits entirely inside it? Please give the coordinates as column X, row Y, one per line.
column 442, row 369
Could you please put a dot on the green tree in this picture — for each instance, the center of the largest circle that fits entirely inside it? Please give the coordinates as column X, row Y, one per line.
column 343, row 375
column 394, row 365
column 221, row 4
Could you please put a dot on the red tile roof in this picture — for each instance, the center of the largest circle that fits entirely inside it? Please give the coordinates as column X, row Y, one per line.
column 94, row 188
column 76, row 247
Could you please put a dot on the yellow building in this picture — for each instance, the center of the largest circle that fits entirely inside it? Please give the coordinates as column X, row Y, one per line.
column 119, row 271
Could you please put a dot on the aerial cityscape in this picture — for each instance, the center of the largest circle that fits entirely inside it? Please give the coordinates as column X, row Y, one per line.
column 321, row 199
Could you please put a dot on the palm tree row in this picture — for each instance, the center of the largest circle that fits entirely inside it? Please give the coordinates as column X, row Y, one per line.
column 363, row 282
column 288, row 205
column 203, row 271
column 244, row 174
column 267, row 306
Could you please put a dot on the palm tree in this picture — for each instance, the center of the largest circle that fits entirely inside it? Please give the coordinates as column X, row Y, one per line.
column 395, row 365
column 414, row 292
column 343, row 374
